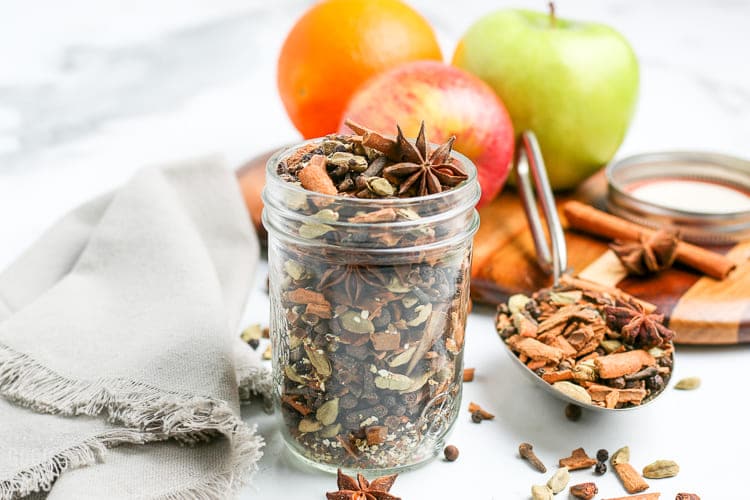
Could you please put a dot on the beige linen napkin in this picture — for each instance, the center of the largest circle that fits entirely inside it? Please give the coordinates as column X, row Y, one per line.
column 119, row 328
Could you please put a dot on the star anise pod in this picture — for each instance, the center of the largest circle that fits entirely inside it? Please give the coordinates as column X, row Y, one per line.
column 354, row 277
column 653, row 253
column 637, row 327
column 416, row 167
column 362, row 489
column 429, row 172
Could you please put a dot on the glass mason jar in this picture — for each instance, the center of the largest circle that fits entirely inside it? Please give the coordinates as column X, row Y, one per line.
column 368, row 312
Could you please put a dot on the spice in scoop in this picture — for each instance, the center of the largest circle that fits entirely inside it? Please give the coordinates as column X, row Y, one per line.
column 598, row 347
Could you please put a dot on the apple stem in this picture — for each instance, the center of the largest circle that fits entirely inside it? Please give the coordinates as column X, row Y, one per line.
column 552, row 18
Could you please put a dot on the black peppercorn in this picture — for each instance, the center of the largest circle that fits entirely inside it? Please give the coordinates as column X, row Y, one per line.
column 602, row 455
column 254, row 343
column 476, row 417
column 573, row 412
column 600, row 468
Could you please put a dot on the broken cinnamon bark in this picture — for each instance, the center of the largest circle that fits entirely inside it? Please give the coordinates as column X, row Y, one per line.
column 578, row 459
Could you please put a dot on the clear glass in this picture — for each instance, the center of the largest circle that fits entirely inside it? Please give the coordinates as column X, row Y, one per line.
column 368, row 313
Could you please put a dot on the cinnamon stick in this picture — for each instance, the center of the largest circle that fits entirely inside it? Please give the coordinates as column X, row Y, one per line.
column 568, row 280
column 586, row 218
column 535, row 349
column 315, row 177
column 623, row 363
column 578, row 459
column 642, row 496
column 631, row 480
column 600, row 392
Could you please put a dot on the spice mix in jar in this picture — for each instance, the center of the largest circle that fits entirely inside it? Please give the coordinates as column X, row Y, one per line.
column 369, row 263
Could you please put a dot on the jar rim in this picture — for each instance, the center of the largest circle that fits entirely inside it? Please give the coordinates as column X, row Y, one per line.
column 465, row 186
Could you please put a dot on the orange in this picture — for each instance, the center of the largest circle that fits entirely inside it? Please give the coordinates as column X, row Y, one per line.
column 337, row 45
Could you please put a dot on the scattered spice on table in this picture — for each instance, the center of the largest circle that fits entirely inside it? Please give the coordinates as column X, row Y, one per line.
column 578, row 459
column 481, row 413
column 643, row 496
column 526, row 451
column 661, row 469
column 631, row 480
column 584, row 491
column 451, row 453
column 362, row 489
column 688, row 384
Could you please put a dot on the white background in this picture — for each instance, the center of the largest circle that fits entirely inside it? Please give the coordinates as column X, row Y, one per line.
column 92, row 90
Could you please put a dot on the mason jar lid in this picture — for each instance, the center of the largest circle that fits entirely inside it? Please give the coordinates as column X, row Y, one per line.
column 705, row 196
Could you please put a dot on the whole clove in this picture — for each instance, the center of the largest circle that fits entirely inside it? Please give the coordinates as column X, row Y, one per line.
column 526, row 450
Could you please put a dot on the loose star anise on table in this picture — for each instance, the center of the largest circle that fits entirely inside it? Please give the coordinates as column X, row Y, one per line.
column 653, row 253
column 637, row 327
column 361, row 489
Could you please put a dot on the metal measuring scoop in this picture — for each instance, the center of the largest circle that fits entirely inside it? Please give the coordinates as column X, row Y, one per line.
column 533, row 184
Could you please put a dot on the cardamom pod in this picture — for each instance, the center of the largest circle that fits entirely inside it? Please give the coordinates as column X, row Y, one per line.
column 610, row 346
column 402, row 358
column 380, row 186
column 565, row 298
column 688, row 384
column 319, row 360
column 418, row 382
column 559, row 480
column 573, row 391
column 328, row 412
column 661, row 469
column 353, row 322
column 295, row 270
column 309, row 425
column 392, row 381
column 330, row 431
column 423, row 312
column 292, row 375
column 621, row 456
column 313, row 230
column 541, row 492
column 517, row 302
column 354, row 162
column 327, row 215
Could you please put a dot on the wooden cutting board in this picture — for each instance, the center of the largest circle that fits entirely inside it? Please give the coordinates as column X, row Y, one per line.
column 701, row 310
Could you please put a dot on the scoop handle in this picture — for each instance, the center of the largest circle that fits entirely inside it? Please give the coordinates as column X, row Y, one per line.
column 532, row 176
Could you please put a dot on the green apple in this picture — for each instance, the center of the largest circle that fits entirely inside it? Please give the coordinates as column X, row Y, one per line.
column 574, row 84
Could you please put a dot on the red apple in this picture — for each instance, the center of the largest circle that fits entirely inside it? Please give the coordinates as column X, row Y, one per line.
column 451, row 102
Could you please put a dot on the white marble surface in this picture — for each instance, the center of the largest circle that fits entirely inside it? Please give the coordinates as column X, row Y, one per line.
column 91, row 90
